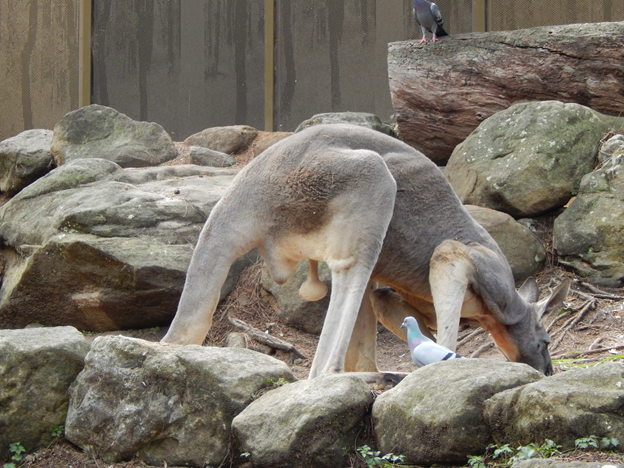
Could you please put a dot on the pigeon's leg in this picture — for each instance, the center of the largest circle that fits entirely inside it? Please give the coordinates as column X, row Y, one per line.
column 362, row 351
column 424, row 35
column 434, row 38
column 450, row 270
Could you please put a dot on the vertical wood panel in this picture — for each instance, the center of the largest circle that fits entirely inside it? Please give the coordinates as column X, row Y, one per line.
column 39, row 57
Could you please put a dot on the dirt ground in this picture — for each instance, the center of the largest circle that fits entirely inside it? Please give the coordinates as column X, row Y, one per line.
column 587, row 331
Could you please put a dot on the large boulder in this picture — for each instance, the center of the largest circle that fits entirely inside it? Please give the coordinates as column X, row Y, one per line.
column 37, row 366
column 296, row 312
column 164, row 403
column 312, row 423
column 524, row 251
column 588, row 234
column 104, row 248
column 23, row 159
column 228, row 140
column 568, row 406
column 363, row 119
column 435, row 415
column 101, row 132
column 528, row 159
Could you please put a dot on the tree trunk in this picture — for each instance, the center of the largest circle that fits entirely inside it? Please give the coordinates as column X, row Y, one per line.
column 442, row 91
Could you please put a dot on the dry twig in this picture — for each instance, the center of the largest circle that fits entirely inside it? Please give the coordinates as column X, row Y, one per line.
column 266, row 339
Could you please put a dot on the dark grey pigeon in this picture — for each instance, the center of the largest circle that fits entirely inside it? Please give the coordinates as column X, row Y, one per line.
column 430, row 19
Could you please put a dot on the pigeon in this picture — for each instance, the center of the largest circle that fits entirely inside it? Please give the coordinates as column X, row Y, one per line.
column 430, row 19
column 422, row 349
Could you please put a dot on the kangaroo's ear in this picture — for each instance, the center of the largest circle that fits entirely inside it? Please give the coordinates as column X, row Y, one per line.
column 554, row 300
column 529, row 290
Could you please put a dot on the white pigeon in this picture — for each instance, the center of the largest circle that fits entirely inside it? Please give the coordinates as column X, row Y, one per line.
column 422, row 349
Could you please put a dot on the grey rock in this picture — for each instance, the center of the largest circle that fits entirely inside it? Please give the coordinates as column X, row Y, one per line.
column 101, row 132
column 37, row 366
column 567, row 406
column 297, row 313
column 228, row 140
column 23, row 159
column 104, row 248
column 546, row 463
column 208, row 157
column 312, row 423
column 362, row 119
column 435, row 415
column 528, row 159
column 171, row 403
column 525, row 252
column 588, row 234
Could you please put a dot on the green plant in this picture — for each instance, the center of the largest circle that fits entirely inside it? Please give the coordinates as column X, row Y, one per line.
column 17, row 449
column 280, row 382
column 594, row 443
column 58, row 431
column 505, row 455
column 585, row 443
column 374, row 458
column 477, row 461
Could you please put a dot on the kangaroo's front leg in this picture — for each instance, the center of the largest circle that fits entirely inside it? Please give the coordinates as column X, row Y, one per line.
column 449, row 275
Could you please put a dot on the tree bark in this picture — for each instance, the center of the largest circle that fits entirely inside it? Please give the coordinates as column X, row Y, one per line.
column 441, row 91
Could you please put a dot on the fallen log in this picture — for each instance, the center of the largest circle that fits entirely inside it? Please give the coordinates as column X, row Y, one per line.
column 441, row 91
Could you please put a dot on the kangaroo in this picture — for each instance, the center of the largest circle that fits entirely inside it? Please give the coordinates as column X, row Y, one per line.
column 375, row 210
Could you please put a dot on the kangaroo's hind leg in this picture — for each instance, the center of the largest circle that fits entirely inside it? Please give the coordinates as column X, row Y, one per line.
column 353, row 240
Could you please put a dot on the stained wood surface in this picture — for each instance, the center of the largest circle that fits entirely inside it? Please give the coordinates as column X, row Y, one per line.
column 442, row 91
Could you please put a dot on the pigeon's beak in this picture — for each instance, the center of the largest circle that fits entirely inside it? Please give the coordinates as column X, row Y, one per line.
column 402, row 325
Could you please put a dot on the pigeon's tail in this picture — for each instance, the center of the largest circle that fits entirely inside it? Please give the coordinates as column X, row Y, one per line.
column 440, row 32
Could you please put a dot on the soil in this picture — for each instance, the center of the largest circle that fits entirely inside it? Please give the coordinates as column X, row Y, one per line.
column 588, row 331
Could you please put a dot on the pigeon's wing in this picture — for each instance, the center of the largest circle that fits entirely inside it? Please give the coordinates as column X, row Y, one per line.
column 437, row 16
column 428, row 352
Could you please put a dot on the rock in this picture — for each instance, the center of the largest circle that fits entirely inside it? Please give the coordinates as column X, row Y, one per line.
column 611, row 150
column 312, row 423
column 228, row 140
column 546, row 463
column 23, row 159
column 528, row 159
column 101, row 248
column 37, row 366
column 362, row 119
column 101, row 132
column 297, row 313
column 588, row 234
column 266, row 139
column 164, row 403
column 567, row 406
column 524, row 251
column 440, row 94
column 208, row 157
column 435, row 415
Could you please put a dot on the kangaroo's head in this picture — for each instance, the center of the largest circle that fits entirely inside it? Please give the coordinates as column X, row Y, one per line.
column 529, row 340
